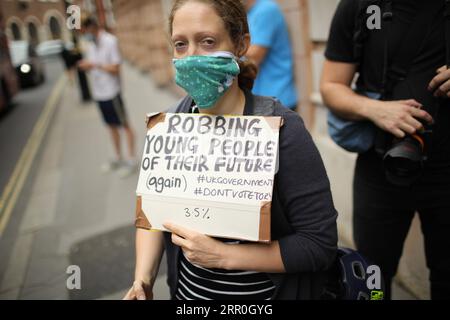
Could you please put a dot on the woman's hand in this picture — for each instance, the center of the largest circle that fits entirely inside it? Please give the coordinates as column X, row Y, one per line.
column 440, row 85
column 139, row 291
column 198, row 248
column 399, row 117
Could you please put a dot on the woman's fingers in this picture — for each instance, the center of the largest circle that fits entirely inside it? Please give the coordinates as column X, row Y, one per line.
column 139, row 291
column 130, row 295
column 184, row 232
column 179, row 241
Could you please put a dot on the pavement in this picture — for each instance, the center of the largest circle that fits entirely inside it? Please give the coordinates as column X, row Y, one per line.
column 73, row 215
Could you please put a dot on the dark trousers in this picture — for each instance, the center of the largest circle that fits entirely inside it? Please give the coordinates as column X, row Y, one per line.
column 383, row 213
column 84, row 86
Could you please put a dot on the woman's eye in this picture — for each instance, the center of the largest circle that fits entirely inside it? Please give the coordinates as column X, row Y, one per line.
column 208, row 42
column 179, row 45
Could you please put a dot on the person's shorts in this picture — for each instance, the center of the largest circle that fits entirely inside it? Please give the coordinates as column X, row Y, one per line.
column 113, row 111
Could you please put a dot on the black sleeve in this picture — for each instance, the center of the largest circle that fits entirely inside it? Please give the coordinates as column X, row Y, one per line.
column 305, row 196
column 340, row 40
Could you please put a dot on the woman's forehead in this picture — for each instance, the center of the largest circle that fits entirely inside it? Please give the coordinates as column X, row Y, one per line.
column 197, row 17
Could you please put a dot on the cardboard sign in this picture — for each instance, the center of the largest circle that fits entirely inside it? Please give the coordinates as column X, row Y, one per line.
column 212, row 174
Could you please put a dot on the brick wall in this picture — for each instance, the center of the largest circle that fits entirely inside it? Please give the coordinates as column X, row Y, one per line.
column 141, row 29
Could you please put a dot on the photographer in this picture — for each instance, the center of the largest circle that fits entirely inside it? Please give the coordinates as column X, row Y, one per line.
column 407, row 167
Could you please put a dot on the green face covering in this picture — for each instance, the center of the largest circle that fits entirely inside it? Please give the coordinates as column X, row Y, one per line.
column 206, row 78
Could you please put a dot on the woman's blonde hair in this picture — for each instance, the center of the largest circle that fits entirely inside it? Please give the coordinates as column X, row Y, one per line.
column 234, row 16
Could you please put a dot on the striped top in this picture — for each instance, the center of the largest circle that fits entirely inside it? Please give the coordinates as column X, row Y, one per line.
column 198, row 283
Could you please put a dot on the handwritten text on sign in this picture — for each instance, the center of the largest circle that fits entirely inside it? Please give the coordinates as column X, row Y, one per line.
column 208, row 172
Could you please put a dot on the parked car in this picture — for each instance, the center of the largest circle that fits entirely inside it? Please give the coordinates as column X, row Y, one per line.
column 29, row 66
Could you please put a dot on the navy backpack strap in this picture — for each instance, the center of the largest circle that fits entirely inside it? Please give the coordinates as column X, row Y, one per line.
column 181, row 106
column 264, row 106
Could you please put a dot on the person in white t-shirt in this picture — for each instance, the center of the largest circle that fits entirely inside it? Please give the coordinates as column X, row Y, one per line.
column 103, row 62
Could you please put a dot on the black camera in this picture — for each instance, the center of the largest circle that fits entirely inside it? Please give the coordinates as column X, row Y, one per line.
column 404, row 160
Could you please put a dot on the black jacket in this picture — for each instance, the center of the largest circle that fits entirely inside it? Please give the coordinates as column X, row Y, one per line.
column 303, row 217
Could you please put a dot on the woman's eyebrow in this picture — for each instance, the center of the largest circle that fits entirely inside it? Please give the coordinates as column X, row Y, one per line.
column 177, row 37
column 198, row 35
column 206, row 34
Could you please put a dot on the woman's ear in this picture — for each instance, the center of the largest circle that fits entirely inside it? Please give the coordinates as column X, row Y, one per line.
column 244, row 45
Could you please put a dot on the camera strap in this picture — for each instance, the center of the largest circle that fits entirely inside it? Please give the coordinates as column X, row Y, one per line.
column 396, row 68
column 447, row 32
column 387, row 18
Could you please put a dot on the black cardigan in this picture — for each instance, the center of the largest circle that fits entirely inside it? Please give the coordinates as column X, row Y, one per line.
column 303, row 217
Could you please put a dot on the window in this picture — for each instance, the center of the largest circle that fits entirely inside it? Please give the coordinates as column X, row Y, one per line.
column 55, row 28
column 33, row 33
column 15, row 30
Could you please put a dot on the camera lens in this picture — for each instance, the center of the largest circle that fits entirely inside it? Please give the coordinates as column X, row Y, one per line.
column 404, row 161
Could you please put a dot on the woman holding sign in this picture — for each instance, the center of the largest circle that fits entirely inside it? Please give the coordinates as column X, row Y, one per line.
column 209, row 38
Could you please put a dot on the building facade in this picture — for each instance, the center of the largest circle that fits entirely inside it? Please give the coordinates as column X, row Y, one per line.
column 35, row 20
